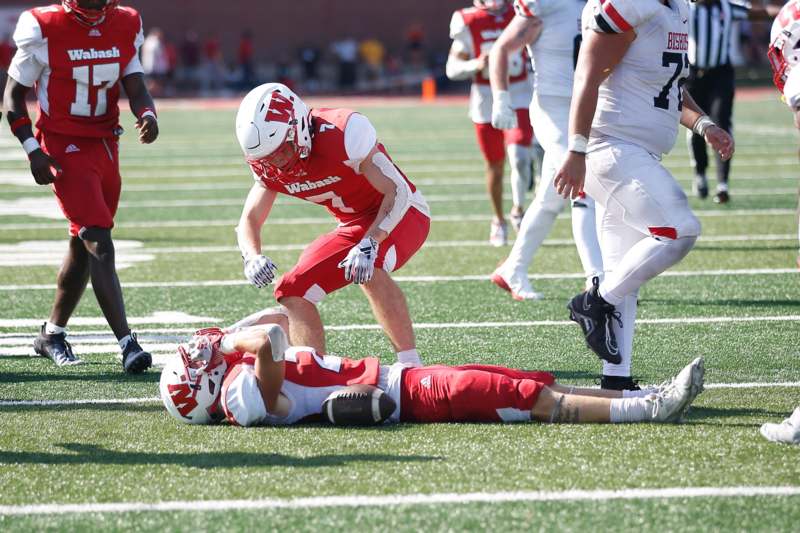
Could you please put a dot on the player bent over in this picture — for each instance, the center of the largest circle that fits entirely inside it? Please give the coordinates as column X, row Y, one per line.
column 330, row 157
column 76, row 55
column 252, row 376
column 784, row 57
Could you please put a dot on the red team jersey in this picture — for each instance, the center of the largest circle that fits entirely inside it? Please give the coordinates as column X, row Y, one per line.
column 75, row 68
column 328, row 176
column 485, row 27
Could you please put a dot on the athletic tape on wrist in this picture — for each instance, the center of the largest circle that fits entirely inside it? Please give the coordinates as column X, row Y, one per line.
column 148, row 112
column 578, row 143
column 702, row 124
column 30, row 145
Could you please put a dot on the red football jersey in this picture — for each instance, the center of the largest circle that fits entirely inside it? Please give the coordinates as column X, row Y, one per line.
column 326, row 177
column 485, row 27
column 75, row 68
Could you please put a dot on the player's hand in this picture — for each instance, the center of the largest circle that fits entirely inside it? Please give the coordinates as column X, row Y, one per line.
column 204, row 345
column 148, row 129
column 43, row 167
column 359, row 265
column 259, row 270
column 721, row 141
column 569, row 179
column 503, row 115
column 483, row 62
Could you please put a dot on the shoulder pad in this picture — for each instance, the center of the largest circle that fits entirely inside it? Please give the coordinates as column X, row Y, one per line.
column 619, row 16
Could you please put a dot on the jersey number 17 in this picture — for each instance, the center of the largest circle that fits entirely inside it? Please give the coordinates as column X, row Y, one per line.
column 88, row 77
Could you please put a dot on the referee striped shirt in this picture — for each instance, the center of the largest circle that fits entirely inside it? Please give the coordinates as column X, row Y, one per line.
column 710, row 24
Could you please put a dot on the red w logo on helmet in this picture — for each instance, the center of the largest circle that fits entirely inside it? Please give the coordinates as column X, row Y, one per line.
column 183, row 398
column 280, row 108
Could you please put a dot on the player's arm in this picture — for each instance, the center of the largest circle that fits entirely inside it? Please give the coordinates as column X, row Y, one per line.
column 142, row 106
column 461, row 65
column 693, row 118
column 268, row 343
column 44, row 169
column 600, row 53
column 258, row 269
column 521, row 31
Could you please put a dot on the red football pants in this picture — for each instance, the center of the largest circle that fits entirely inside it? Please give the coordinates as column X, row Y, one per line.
column 470, row 393
column 89, row 186
column 492, row 141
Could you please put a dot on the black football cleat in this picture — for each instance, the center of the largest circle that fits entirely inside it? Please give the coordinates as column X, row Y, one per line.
column 594, row 315
column 56, row 348
column 134, row 359
column 700, row 186
column 619, row 383
column 722, row 197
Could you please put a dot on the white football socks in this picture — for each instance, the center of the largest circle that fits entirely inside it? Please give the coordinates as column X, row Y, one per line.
column 584, row 231
column 624, row 334
column 519, row 160
column 52, row 329
column 409, row 358
column 627, row 410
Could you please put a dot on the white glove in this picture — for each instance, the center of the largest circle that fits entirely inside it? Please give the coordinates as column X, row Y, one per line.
column 503, row 115
column 259, row 270
column 359, row 265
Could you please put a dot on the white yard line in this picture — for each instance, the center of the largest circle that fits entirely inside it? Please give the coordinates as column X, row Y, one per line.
column 317, row 502
column 330, row 221
column 421, row 279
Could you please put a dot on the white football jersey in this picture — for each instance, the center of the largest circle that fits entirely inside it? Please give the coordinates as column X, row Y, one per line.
column 641, row 100
column 554, row 53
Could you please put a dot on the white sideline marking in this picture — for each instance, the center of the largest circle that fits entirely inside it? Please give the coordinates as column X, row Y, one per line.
column 157, row 317
column 330, row 221
column 51, row 253
column 418, row 279
column 156, row 399
column 316, row 502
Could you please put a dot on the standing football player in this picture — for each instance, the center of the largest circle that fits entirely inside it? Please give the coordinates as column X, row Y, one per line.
column 473, row 31
column 76, row 55
column 551, row 30
column 627, row 103
column 252, row 376
column 330, row 157
column 784, row 57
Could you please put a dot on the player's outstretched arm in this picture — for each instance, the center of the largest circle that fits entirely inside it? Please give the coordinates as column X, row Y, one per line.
column 44, row 169
column 600, row 53
column 142, row 106
column 693, row 118
column 260, row 270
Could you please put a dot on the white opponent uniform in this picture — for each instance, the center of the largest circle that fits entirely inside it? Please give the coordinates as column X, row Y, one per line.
column 553, row 56
column 480, row 96
column 243, row 405
column 636, row 122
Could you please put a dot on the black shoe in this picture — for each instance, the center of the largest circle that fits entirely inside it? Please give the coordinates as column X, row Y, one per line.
column 134, row 359
column 594, row 315
column 722, row 197
column 56, row 348
column 619, row 383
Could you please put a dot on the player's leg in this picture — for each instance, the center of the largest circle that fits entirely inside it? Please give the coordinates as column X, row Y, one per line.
column 518, row 147
column 490, row 141
column 585, row 234
column 512, row 274
column 385, row 297
column 721, row 112
column 305, row 323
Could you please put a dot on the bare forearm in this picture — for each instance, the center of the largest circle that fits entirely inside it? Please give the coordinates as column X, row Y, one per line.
column 385, row 209
column 584, row 105
column 498, row 68
column 138, row 96
column 691, row 111
column 270, row 375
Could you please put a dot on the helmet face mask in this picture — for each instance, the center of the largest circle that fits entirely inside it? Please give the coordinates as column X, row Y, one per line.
column 784, row 53
column 90, row 12
column 191, row 389
column 273, row 130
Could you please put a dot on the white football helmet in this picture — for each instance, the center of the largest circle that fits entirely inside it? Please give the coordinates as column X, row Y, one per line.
column 190, row 389
column 783, row 51
column 490, row 5
column 273, row 129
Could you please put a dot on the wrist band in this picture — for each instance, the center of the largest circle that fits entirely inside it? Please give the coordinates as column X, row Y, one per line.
column 17, row 124
column 578, row 143
column 148, row 112
column 702, row 124
column 30, row 145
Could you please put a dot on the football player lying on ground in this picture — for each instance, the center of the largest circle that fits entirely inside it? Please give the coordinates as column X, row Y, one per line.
column 251, row 376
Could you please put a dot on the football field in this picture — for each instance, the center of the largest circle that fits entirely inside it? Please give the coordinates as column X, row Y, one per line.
column 88, row 447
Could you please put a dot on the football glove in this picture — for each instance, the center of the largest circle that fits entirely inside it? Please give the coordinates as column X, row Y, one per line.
column 259, row 270
column 359, row 265
column 503, row 115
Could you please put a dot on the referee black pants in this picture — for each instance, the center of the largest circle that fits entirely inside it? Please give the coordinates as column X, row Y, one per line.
column 713, row 90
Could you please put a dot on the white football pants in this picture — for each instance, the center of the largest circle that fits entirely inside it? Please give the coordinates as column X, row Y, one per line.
column 551, row 116
column 645, row 226
column 519, row 160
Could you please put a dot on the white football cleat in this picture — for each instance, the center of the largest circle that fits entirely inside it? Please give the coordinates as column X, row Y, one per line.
column 677, row 395
column 517, row 284
column 498, row 233
column 787, row 432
